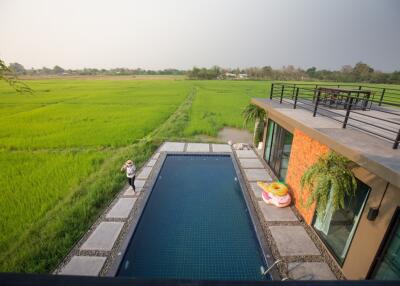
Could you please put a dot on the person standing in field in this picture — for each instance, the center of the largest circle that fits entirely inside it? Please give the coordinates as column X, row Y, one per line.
column 130, row 169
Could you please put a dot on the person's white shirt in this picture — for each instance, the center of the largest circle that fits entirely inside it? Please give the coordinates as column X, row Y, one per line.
column 130, row 171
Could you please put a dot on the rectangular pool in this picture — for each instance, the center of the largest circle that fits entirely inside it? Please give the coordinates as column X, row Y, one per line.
column 195, row 225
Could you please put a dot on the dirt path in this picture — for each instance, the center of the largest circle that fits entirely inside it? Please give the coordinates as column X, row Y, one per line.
column 235, row 135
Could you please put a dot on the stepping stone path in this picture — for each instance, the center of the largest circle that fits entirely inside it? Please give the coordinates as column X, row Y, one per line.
column 246, row 154
column 257, row 191
column 198, row 147
column 257, row 175
column 122, row 208
column 221, row 148
column 151, row 163
column 289, row 236
column 103, row 237
column 251, row 163
column 139, row 186
column 291, row 240
column 145, row 173
column 172, row 147
column 84, row 265
column 310, row 271
column 272, row 213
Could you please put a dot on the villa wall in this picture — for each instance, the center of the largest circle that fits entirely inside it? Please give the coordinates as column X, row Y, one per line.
column 305, row 151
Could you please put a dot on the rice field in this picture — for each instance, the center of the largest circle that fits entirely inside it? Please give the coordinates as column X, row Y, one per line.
column 58, row 143
column 220, row 103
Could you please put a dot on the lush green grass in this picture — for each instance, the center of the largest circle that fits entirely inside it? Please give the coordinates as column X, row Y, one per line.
column 220, row 103
column 61, row 149
column 86, row 113
column 33, row 183
column 60, row 153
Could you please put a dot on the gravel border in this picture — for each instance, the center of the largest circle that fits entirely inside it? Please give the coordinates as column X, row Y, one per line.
column 283, row 267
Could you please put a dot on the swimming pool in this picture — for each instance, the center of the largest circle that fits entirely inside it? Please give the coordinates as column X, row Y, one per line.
column 195, row 225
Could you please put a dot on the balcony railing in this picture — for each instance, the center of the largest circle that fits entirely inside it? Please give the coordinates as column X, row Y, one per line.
column 375, row 111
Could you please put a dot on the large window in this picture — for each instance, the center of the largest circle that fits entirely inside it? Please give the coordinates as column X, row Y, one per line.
column 278, row 144
column 337, row 228
column 388, row 260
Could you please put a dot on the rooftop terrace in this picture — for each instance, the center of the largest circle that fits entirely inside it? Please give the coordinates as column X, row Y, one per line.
column 349, row 121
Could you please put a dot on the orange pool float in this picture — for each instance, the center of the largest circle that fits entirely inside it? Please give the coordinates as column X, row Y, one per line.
column 274, row 188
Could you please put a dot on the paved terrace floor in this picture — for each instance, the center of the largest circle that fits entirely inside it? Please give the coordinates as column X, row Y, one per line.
column 372, row 153
column 287, row 236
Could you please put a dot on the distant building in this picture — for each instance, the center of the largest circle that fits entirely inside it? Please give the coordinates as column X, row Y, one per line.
column 229, row 75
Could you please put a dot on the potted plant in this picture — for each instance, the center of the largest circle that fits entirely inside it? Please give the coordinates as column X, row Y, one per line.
column 329, row 180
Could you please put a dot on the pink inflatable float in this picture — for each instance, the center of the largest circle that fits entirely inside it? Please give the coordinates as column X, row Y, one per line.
column 275, row 194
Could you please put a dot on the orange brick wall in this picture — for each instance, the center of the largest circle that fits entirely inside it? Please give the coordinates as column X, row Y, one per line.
column 305, row 151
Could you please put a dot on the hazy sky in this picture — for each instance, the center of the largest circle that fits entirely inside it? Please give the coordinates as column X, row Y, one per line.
column 157, row 34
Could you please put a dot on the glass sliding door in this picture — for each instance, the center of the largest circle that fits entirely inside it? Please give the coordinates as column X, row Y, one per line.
column 278, row 144
column 337, row 228
column 388, row 260
column 268, row 141
column 287, row 147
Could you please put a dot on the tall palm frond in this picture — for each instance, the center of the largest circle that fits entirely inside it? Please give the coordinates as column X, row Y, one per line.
column 252, row 113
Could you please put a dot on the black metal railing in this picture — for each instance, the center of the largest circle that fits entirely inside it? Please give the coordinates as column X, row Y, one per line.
column 379, row 93
column 359, row 108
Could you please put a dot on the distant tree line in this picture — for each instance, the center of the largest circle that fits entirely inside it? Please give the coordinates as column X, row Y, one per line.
column 361, row 72
column 19, row 69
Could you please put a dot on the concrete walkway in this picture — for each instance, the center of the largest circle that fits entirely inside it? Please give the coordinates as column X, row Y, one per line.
column 289, row 237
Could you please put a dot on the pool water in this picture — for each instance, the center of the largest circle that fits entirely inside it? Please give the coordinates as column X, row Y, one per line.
column 195, row 225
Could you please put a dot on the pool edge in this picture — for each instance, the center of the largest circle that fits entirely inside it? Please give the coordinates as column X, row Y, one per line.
column 256, row 224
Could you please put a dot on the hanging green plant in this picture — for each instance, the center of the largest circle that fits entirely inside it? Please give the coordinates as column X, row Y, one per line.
column 329, row 176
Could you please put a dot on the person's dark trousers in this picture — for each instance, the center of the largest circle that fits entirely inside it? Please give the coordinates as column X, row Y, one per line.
column 131, row 182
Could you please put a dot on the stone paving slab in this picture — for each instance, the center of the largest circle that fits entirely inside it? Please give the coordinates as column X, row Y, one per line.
column 221, row 148
column 139, row 186
column 172, row 147
column 245, row 154
column 84, row 265
column 122, row 208
column 257, row 175
column 310, row 271
column 103, row 237
column 250, row 163
column 129, row 192
column 151, row 163
column 293, row 240
column 272, row 213
column 155, row 157
column 256, row 190
column 198, row 147
column 139, row 183
column 144, row 174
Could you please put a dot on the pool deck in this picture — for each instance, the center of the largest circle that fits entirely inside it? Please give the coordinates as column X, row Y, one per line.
column 289, row 239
